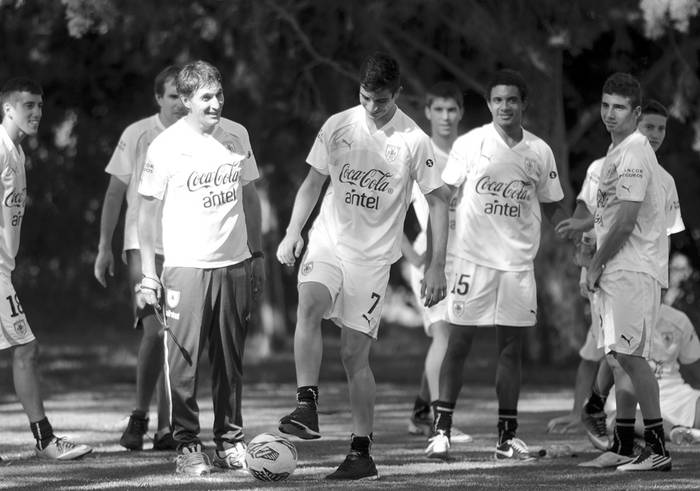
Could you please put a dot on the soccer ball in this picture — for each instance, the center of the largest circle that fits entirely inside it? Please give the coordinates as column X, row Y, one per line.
column 271, row 457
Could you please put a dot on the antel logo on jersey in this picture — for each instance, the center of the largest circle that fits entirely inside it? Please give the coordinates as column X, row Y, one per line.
column 225, row 174
column 372, row 179
column 515, row 189
column 15, row 198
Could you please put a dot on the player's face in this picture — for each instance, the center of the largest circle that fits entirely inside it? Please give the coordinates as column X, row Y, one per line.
column 618, row 115
column 205, row 106
column 25, row 111
column 653, row 126
column 506, row 106
column 171, row 107
column 380, row 105
column 444, row 116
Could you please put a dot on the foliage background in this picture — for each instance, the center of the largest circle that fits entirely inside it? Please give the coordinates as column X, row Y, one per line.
column 288, row 65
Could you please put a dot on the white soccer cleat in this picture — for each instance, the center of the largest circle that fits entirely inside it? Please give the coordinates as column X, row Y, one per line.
column 192, row 461
column 513, row 449
column 648, row 461
column 606, row 460
column 62, row 449
column 458, row 436
column 231, row 458
column 438, row 446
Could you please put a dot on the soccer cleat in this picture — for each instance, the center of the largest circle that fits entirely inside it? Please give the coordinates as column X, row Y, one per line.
column 420, row 424
column 594, row 423
column 648, row 461
column 132, row 438
column 438, row 445
column 458, row 436
column 302, row 422
column 683, row 435
column 606, row 460
column 513, row 449
column 165, row 442
column 62, row 449
column 231, row 458
column 192, row 461
column 355, row 467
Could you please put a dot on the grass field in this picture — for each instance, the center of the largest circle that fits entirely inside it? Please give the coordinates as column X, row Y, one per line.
column 89, row 392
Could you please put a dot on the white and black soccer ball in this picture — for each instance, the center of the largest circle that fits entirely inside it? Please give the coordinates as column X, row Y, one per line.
column 271, row 457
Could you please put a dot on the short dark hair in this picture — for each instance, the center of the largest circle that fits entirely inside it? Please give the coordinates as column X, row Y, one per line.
column 380, row 71
column 507, row 76
column 164, row 76
column 625, row 85
column 14, row 86
column 196, row 75
column 444, row 90
column 652, row 106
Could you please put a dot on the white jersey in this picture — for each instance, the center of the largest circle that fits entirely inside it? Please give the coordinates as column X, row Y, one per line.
column 371, row 175
column 126, row 165
column 14, row 196
column 200, row 177
column 420, row 206
column 631, row 173
column 675, row 341
column 589, row 190
column 498, row 216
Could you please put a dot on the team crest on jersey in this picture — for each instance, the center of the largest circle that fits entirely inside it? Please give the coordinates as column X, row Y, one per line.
column 667, row 338
column 20, row 328
column 391, row 152
column 530, row 165
column 458, row 308
column 172, row 297
column 307, row 268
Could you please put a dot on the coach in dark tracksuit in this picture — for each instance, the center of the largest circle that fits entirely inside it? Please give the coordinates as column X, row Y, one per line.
column 202, row 168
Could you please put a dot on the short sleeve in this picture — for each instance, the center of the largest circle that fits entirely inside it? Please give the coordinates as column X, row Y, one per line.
column 455, row 171
column 250, row 171
column 425, row 170
column 690, row 350
column 154, row 178
column 589, row 189
column 674, row 221
column 549, row 188
column 633, row 174
column 121, row 165
column 319, row 154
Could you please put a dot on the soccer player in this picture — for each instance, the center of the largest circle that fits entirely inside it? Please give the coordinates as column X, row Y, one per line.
column 628, row 270
column 125, row 168
column 444, row 107
column 372, row 153
column 202, row 169
column 22, row 104
column 507, row 174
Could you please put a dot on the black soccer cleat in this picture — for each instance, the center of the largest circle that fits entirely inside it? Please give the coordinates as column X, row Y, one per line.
column 355, row 467
column 302, row 422
column 132, row 438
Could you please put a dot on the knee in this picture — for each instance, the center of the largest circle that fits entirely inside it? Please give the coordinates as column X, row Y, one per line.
column 310, row 312
column 26, row 355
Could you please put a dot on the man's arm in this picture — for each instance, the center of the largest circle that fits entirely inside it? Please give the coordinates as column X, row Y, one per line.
column 306, row 198
column 555, row 212
column 148, row 211
column 410, row 253
column 581, row 221
column 620, row 230
column 253, row 225
column 434, row 285
column 111, row 208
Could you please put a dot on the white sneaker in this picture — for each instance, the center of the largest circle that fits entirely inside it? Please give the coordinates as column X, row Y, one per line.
column 648, row 461
column 192, row 461
column 438, row 446
column 606, row 460
column 62, row 449
column 682, row 435
column 231, row 458
column 513, row 449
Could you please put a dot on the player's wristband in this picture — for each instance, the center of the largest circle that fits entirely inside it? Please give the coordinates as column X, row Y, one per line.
column 257, row 255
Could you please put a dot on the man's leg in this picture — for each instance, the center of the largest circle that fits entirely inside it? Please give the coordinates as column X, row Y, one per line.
column 593, row 415
column 508, row 379
column 421, row 420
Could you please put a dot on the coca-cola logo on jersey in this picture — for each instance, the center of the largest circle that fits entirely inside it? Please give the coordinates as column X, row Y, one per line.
column 372, row 179
column 225, row 174
column 15, row 198
column 515, row 189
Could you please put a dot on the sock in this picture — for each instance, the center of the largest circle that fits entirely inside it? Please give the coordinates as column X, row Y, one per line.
column 654, row 435
column 361, row 444
column 443, row 415
column 420, row 406
column 507, row 424
column 623, row 437
column 43, row 432
column 595, row 403
column 308, row 394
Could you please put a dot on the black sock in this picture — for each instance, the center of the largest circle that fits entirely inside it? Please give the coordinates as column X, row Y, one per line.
column 43, row 432
column 308, row 394
column 420, row 406
column 654, row 435
column 443, row 415
column 623, row 437
column 507, row 424
column 595, row 403
column 361, row 444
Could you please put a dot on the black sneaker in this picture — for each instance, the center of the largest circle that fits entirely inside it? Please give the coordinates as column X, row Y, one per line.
column 165, row 442
column 594, row 423
column 354, row 468
column 132, row 438
column 302, row 422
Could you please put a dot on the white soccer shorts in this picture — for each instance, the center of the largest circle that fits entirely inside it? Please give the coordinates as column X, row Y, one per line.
column 437, row 312
column 14, row 328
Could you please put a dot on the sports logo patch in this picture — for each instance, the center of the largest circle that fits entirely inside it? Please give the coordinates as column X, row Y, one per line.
column 20, row 328
column 172, row 297
column 306, row 268
column 552, row 174
column 458, row 308
column 391, row 152
column 530, row 166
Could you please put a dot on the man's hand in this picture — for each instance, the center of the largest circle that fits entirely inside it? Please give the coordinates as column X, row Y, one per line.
column 593, row 274
column 568, row 423
column 433, row 286
column 290, row 248
column 257, row 277
column 571, row 228
column 104, row 263
column 150, row 291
